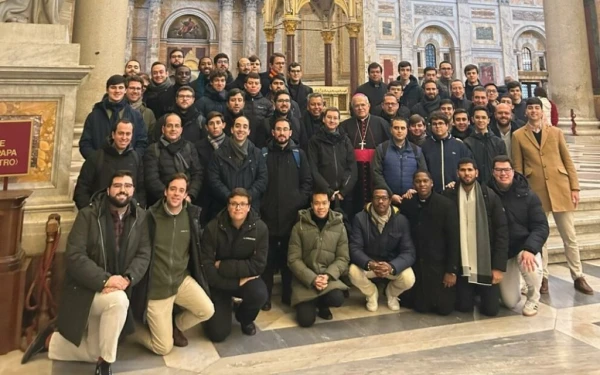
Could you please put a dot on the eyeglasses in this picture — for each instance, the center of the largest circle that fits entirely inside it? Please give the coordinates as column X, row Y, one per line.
column 502, row 170
column 238, row 205
column 381, row 199
column 222, row 61
column 119, row 186
column 438, row 123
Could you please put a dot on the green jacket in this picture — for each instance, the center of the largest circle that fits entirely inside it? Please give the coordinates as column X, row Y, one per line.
column 313, row 252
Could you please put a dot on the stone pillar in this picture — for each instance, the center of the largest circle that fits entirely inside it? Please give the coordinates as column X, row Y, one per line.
column 509, row 63
column 566, row 32
column 406, row 32
column 129, row 45
column 353, row 30
column 250, row 24
column 327, row 41
column 270, row 36
column 153, row 41
column 226, row 33
column 290, row 26
column 464, row 42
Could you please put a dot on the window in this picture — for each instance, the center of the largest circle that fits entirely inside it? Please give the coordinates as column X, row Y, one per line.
column 526, row 59
column 542, row 63
column 430, row 56
column 446, row 56
column 419, row 64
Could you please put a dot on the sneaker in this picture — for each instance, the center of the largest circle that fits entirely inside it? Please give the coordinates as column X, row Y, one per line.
column 530, row 309
column 393, row 303
column 372, row 304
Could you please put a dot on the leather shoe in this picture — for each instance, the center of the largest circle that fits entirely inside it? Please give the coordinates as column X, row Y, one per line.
column 179, row 338
column 249, row 329
column 38, row 345
column 582, row 286
column 325, row 313
column 103, row 368
column 544, row 287
column 266, row 306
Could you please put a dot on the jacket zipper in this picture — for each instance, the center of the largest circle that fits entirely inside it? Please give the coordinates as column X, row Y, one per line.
column 102, row 243
column 443, row 166
column 171, row 253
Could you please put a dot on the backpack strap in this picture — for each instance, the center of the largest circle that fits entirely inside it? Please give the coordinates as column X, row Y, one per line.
column 296, row 154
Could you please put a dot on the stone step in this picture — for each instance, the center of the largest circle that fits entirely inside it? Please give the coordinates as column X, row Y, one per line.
column 585, row 222
column 589, row 248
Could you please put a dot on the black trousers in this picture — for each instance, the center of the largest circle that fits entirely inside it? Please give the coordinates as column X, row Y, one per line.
column 466, row 292
column 306, row 312
column 429, row 294
column 254, row 295
column 277, row 260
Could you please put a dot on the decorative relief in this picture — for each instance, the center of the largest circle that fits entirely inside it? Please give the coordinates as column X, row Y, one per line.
column 270, row 34
column 484, row 33
column 483, row 13
column 386, row 8
column 430, row 10
column 353, row 29
column 43, row 115
column 528, row 15
column 327, row 36
column 290, row 26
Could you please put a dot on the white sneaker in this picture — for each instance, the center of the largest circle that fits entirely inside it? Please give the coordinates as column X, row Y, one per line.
column 524, row 289
column 530, row 308
column 372, row 304
column 393, row 303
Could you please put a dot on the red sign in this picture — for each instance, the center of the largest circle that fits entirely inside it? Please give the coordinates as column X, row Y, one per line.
column 15, row 147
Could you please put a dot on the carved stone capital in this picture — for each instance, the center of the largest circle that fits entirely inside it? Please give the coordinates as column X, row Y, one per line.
column 270, row 34
column 290, row 26
column 327, row 36
column 353, row 29
column 226, row 4
column 251, row 5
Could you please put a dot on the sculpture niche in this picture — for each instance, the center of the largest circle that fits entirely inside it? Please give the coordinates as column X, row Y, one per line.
column 30, row 11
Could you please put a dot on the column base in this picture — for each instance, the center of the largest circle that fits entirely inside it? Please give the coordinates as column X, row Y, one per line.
column 588, row 130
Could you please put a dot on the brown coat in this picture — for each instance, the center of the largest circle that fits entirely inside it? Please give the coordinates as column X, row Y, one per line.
column 548, row 167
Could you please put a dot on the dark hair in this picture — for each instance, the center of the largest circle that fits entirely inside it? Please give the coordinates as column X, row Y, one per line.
column 185, row 88
column 117, row 79
column 382, row 187
column 331, row 109
column 479, row 89
column 252, row 75
column 281, row 119
column 420, row 170
column 276, row 77
column 513, row 85
column 470, row 67
column 175, row 50
column 534, row 101
column 464, row 161
column 134, row 78
column 459, row 111
column 394, row 84
column 502, row 159
column 439, row 115
column 122, row 121
column 415, row 119
column 273, row 56
column 167, row 115
column 506, row 96
column 178, row 176
column 121, row 173
column 157, row 63
column 404, row 64
column 319, row 191
column 389, row 95
column 446, row 101
column 253, row 58
column 429, row 81
column 374, row 65
column 480, row 108
column 429, row 68
column 294, row 65
column 144, row 76
column 457, row 80
column 445, row 62
column 398, row 118
column 234, row 92
column 213, row 114
column 540, row 92
column 491, row 84
column 216, row 74
column 240, row 192
column 220, row 55
column 278, row 93
column 204, row 57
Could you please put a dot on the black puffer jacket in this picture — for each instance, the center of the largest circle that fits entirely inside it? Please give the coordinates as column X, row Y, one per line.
column 211, row 101
column 413, row 93
column 299, row 93
column 310, row 124
column 161, row 162
column 485, row 147
column 332, row 162
column 298, row 133
column 527, row 223
column 289, row 188
column 243, row 252
column 97, row 171
column 257, row 109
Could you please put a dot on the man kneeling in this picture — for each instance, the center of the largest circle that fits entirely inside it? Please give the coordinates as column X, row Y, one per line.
column 175, row 275
column 381, row 247
column 317, row 256
column 108, row 251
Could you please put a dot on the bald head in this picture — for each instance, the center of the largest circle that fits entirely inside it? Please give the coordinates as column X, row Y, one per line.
column 503, row 114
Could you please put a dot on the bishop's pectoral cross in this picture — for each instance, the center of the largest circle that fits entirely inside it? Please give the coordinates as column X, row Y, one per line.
column 362, row 144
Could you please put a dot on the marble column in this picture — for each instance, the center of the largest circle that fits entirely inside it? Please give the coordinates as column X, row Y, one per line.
column 353, row 30
column 327, row 41
column 250, row 25
column 290, row 44
column 509, row 62
column 153, row 41
column 566, row 38
column 226, row 33
column 270, row 36
column 465, row 35
column 406, row 32
column 129, row 45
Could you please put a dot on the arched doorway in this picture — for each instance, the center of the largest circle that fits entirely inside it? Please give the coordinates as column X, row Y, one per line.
column 530, row 52
column 434, row 44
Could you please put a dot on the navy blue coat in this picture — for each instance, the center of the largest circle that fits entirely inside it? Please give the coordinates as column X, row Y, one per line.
column 442, row 158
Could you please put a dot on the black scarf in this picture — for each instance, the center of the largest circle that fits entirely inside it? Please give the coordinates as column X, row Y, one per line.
column 431, row 105
column 174, row 149
column 240, row 152
column 334, row 136
column 115, row 109
column 320, row 222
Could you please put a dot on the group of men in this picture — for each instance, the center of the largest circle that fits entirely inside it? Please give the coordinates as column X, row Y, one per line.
column 246, row 177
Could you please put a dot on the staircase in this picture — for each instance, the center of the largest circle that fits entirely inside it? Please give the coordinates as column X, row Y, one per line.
column 587, row 217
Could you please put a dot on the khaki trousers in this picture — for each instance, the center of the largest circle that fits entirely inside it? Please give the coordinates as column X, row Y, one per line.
column 105, row 322
column 510, row 286
column 397, row 285
column 197, row 308
column 565, row 223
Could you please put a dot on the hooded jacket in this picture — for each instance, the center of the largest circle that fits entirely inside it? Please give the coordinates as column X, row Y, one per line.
column 442, row 156
column 413, row 93
column 212, row 101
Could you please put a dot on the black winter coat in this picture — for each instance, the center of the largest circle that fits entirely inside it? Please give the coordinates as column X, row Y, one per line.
column 332, row 162
column 192, row 122
column 463, row 103
column 402, row 112
column 243, row 252
column 298, row 133
column 485, row 147
column 527, row 223
column 374, row 91
column 393, row 245
column 195, row 269
column 212, row 101
column 96, row 173
column 224, row 175
column 159, row 101
column 237, row 83
column 257, row 109
column 497, row 226
column 289, row 188
column 88, row 263
column 299, row 93
column 493, row 127
column 161, row 162
column 412, row 94
column 98, row 128
column 442, row 156
column 205, row 199
column 310, row 125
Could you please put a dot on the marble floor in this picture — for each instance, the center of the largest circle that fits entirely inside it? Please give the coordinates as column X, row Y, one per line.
column 564, row 338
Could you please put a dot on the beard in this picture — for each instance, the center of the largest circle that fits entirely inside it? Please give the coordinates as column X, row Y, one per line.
column 280, row 142
column 117, row 203
column 465, row 183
